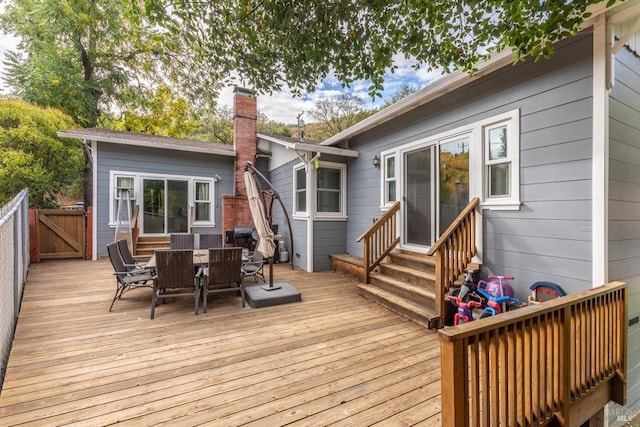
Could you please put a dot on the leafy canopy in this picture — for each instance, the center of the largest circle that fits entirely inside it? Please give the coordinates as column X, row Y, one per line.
column 32, row 156
column 270, row 42
column 89, row 56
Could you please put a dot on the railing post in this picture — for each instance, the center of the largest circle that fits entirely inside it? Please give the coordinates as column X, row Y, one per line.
column 439, row 290
column 454, row 378
column 564, row 408
column 366, row 257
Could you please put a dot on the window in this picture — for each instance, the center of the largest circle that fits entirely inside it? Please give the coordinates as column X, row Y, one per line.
column 497, row 162
column 202, row 201
column 300, row 186
column 500, row 161
column 490, row 150
column 328, row 190
column 390, row 195
column 123, row 185
column 329, row 181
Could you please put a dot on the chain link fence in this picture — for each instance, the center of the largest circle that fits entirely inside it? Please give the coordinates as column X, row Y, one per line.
column 14, row 263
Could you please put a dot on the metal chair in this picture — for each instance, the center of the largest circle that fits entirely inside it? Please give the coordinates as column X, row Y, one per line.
column 224, row 273
column 181, row 241
column 255, row 267
column 175, row 277
column 210, row 241
column 130, row 263
column 126, row 279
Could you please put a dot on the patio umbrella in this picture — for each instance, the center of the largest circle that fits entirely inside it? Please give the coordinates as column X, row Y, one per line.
column 266, row 245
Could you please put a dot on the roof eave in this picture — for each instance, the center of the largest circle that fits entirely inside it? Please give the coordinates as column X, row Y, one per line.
column 317, row 148
column 147, row 144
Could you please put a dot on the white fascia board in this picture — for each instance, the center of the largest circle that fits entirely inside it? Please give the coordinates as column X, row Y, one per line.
column 306, row 147
column 146, row 144
column 437, row 89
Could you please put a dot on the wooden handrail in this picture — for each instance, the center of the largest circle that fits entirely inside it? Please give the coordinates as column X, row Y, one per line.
column 453, row 252
column 380, row 239
column 557, row 362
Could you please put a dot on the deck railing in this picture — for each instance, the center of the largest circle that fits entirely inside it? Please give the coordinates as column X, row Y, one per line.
column 135, row 231
column 14, row 264
column 558, row 362
column 454, row 251
column 380, row 239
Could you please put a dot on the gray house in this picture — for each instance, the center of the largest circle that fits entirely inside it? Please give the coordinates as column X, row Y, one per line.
column 551, row 149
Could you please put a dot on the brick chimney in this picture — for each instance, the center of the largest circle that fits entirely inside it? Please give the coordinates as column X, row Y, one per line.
column 235, row 207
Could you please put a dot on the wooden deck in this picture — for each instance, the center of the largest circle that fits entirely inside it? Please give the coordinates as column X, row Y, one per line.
column 332, row 359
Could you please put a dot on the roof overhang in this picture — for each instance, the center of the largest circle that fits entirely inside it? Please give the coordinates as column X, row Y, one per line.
column 449, row 83
column 133, row 139
column 300, row 147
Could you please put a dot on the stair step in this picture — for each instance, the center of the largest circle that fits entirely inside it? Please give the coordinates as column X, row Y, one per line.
column 411, row 275
column 421, row 295
column 412, row 260
column 411, row 310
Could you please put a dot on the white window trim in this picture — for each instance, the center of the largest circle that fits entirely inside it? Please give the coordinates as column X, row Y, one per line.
column 512, row 120
column 342, row 214
column 384, row 204
column 312, row 193
column 477, row 179
column 138, row 177
column 296, row 213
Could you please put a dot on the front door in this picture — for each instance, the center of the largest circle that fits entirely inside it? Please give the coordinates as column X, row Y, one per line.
column 165, row 206
column 435, row 190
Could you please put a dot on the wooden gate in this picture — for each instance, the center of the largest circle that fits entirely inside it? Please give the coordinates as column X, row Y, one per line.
column 60, row 233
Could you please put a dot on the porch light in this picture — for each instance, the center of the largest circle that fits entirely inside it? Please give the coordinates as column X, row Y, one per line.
column 376, row 161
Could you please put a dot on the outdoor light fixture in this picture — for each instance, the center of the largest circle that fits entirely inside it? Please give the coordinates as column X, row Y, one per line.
column 376, row 161
column 217, row 178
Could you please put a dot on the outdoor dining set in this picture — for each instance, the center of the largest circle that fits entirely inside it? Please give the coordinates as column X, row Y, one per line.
column 195, row 265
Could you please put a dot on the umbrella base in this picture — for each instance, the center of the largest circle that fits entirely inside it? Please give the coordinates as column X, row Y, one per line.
column 281, row 293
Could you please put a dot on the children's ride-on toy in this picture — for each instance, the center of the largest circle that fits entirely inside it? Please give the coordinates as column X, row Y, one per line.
column 497, row 286
column 543, row 291
column 464, row 314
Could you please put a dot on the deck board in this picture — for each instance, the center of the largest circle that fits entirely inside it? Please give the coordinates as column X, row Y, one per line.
column 334, row 358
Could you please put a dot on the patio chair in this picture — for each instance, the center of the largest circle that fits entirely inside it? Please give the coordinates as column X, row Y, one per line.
column 254, row 267
column 126, row 280
column 181, row 241
column 210, row 241
column 130, row 263
column 175, row 277
column 223, row 274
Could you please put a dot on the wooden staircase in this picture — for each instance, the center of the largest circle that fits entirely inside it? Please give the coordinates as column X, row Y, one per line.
column 405, row 284
column 413, row 285
column 146, row 245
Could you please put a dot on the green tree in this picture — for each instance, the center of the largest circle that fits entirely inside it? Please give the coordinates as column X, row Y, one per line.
column 301, row 42
column 162, row 113
column 86, row 56
column 333, row 115
column 31, row 155
column 399, row 95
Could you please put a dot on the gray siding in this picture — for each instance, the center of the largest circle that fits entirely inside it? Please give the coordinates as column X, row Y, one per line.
column 282, row 180
column 549, row 238
column 624, row 201
column 157, row 161
column 328, row 238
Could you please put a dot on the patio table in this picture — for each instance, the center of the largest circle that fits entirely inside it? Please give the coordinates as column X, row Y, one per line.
column 200, row 258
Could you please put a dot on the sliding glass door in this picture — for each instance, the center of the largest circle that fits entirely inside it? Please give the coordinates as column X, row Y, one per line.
column 165, row 206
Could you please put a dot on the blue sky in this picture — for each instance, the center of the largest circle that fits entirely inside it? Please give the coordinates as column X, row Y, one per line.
column 283, row 107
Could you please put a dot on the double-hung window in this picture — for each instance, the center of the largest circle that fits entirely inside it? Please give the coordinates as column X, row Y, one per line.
column 328, row 181
column 330, row 185
column 202, row 201
column 390, row 186
column 124, row 187
column 300, row 190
